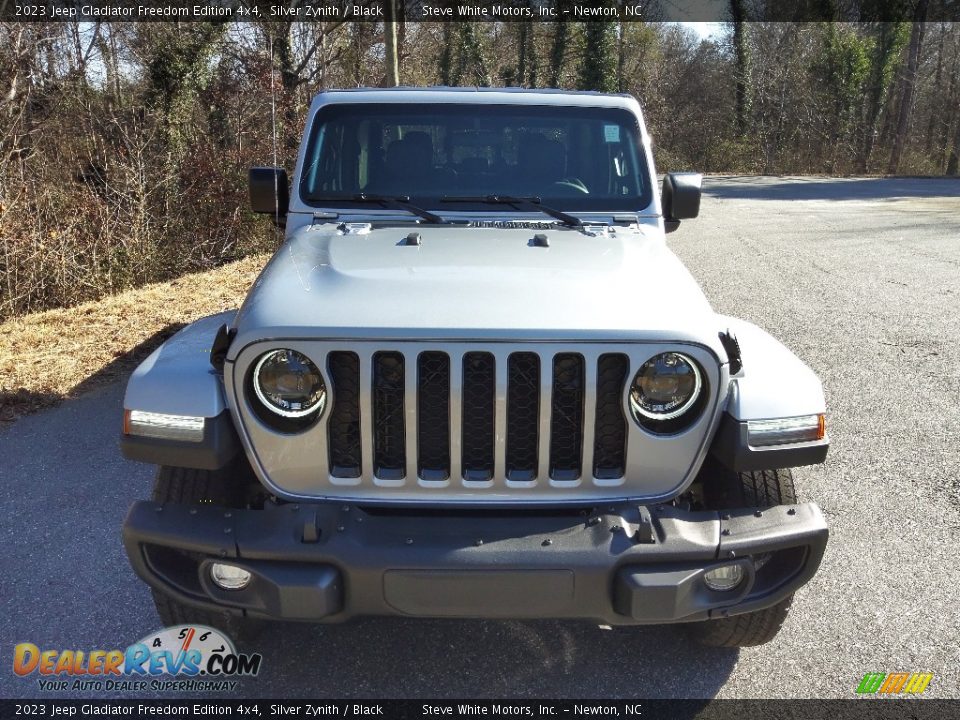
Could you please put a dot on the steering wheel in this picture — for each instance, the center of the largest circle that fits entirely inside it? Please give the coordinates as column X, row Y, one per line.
column 574, row 184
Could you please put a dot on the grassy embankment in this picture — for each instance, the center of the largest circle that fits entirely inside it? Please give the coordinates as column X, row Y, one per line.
column 48, row 356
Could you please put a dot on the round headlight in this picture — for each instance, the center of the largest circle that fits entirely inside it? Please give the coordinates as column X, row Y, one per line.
column 289, row 384
column 665, row 387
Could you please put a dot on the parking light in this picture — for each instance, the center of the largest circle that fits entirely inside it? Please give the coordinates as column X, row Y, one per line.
column 783, row 431
column 162, row 426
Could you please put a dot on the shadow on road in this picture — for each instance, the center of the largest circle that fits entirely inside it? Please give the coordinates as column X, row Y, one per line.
column 823, row 188
column 410, row 658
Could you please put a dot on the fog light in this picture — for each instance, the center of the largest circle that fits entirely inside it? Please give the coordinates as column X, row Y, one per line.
column 723, row 578
column 229, row 577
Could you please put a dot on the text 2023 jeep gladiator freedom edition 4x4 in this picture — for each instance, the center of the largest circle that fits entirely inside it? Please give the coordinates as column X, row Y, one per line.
column 475, row 382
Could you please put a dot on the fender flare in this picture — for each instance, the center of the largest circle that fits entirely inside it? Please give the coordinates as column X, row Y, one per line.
column 178, row 379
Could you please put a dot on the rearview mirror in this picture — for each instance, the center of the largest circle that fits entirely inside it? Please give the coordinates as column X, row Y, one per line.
column 680, row 198
column 269, row 191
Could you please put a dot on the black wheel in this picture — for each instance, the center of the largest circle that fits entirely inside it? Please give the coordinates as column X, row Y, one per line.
column 728, row 490
column 190, row 486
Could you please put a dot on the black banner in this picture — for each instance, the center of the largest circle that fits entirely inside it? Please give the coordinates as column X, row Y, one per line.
column 865, row 709
column 472, row 10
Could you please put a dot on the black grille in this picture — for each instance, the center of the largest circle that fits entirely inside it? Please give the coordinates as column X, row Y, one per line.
column 566, row 421
column 524, row 374
column 479, row 393
column 343, row 428
column 610, row 429
column 523, row 415
column 433, row 416
column 389, row 451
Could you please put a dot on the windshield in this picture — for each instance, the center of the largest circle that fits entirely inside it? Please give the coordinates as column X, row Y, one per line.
column 586, row 159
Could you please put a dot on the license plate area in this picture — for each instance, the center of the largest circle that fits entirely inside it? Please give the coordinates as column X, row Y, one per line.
column 480, row 593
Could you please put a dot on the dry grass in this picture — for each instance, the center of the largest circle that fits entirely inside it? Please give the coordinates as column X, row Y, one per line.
column 48, row 356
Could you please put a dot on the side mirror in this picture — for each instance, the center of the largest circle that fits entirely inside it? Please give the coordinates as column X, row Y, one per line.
column 269, row 191
column 680, row 198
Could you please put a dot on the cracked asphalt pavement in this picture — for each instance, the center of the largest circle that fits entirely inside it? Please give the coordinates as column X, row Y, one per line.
column 860, row 277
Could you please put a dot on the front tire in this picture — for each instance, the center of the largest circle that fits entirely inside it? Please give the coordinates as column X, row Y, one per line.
column 191, row 486
column 728, row 490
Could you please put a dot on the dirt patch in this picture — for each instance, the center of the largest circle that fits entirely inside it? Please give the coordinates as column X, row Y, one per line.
column 48, row 356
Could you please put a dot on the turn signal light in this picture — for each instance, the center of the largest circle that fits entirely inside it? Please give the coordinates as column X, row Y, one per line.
column 784, row 431
column 164, row 427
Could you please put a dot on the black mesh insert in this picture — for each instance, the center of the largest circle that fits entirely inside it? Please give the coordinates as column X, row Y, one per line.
column 343, row 427
column 433, row 416
column 389, row 450
column 610, row 429
column 479, row 395
column 566, row 420
column 523, row 415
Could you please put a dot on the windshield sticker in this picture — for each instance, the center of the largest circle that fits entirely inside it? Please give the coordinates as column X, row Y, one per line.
column 611, row 133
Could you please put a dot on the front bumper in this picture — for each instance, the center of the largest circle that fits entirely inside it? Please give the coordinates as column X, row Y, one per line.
column 621, row 565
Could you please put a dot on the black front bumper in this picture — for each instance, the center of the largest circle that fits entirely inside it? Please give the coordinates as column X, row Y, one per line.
column 619, row 565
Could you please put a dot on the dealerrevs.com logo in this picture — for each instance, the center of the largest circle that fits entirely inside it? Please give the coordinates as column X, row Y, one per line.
column 201, row 657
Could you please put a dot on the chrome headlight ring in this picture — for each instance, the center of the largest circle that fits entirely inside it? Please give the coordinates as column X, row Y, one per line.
column 276, row 386
column 667, row 393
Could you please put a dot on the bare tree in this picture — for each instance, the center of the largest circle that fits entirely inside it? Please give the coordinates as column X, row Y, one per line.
column 909, row 80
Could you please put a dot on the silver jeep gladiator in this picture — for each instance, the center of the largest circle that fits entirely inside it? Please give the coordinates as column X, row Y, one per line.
column 475, row 382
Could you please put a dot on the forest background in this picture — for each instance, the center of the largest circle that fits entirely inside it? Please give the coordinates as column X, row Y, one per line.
column 124, row 147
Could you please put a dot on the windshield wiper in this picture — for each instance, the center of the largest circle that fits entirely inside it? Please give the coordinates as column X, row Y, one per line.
column 521, row 203
column 393, row 202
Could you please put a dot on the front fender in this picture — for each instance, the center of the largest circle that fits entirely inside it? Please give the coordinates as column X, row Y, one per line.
column 178, row 379
column 773, row 383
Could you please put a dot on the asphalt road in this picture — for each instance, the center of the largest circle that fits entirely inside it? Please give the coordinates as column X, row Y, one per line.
column 860, row 277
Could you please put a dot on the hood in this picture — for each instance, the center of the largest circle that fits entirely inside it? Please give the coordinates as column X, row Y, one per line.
column 476, row 283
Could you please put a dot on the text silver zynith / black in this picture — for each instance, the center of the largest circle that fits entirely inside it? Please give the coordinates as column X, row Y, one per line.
column 475, row 382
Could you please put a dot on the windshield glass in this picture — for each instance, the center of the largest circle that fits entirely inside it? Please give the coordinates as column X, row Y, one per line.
column 575, row 158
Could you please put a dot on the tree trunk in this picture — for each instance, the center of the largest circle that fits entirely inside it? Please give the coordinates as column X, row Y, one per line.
column 909, row 80
column 524, row 29
column 446, row 57
column 937, row 103
column 953, row 101
column 738, row 13
column 621, row 58
column 597, row 70
column 558, row 53
column 954, row 159
column 886, row 46
column 390, row 42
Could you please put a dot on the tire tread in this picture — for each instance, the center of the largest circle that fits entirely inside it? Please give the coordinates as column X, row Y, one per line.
column 192, row 486
column 758, row 489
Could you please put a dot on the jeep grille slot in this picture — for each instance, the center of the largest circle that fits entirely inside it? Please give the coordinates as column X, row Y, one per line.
column 523, row 416
column 389, row 438
column 433, row 416
column 343, row 429
column 478, row 415
column 610, row 429
column 566, row 420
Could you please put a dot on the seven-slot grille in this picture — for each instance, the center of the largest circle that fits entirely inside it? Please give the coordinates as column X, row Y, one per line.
column 439, row 413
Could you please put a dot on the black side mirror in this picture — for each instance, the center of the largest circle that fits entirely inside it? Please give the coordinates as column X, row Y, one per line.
column 680, row 198
column 269, row 191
